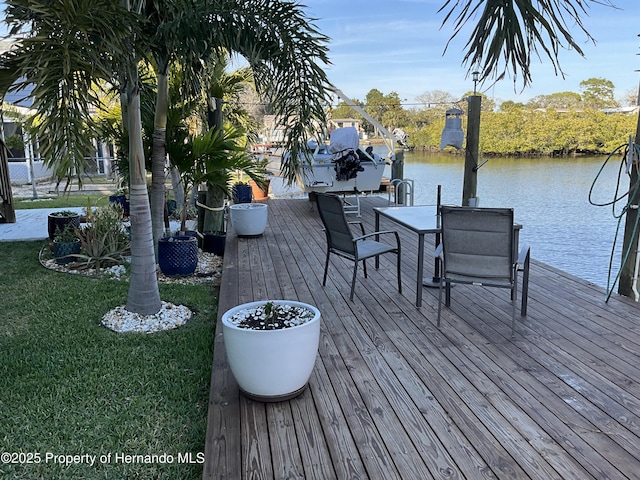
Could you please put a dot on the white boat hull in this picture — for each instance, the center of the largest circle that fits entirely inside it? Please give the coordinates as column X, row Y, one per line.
column 321, row 177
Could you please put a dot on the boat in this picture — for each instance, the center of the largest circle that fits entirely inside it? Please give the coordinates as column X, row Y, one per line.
column 341, row 166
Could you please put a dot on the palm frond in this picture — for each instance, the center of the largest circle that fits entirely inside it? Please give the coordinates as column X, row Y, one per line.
column 285, row 50
column 508, row 34
column 64, row 53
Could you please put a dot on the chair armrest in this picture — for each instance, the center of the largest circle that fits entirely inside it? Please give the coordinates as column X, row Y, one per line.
column 523, row 257
column 381, row 232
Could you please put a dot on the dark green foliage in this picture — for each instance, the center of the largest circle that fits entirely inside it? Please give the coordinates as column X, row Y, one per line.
column 507, row 34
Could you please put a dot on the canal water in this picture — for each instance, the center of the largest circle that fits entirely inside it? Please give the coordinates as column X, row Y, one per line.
column 550, row 197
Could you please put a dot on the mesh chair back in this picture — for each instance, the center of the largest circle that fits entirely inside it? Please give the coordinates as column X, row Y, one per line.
column 339, row 236
column 478, row 244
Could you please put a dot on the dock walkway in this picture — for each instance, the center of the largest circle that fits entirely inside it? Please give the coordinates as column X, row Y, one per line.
column 392, row 396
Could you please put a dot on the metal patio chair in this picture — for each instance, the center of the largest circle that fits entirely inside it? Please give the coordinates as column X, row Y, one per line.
column 342, row 242
column 479, row 247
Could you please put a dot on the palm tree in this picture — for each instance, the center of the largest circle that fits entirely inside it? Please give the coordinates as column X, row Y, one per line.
column 212, row 158
column 284, row 50
column 506, row 34
column 67, row 46
column 222, row 91
column 65, row 52
column 63, row 73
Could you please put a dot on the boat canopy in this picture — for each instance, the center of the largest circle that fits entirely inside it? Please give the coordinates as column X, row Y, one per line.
column 342, row 139
column 343, row 144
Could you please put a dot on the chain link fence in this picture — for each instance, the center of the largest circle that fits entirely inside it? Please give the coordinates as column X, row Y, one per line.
column 23, row 171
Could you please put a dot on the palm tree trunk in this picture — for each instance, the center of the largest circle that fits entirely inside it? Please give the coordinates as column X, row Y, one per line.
column 159, row 155
column 214, row 219
column 176, row 186
column 144, row 295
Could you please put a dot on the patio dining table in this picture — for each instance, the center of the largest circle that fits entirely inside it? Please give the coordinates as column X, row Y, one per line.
column 422, row 219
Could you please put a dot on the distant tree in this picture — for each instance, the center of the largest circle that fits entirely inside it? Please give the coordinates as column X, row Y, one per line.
column 508, row 105
column 630, row 97
column 437, row 99
column 598, row 93
column 343, row 110
column 487, row 105
column 386, row 109
column 394, row 115
column 419, row 117
column 375, row 105
column 556, row 100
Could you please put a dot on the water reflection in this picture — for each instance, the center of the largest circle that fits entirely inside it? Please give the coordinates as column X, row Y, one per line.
column 550, row 197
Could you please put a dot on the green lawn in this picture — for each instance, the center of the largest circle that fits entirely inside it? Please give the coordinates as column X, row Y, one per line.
column 68, row 386
column 61, row 201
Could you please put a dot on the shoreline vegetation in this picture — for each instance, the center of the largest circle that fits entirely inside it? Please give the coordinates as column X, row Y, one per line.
column 592, row 122
column 530, row 133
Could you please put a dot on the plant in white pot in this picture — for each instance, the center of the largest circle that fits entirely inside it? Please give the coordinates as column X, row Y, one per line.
column 272, row 347
column 211, row 158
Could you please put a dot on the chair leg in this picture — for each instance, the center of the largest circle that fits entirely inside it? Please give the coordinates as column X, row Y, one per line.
column 447, row 297
column 353, row 281
column 439, row 301
column 326, row 268
column 399, row 277
column 514, row 301
column 525, row 287
column 364, row 268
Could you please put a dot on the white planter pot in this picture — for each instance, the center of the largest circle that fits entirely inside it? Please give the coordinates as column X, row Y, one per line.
column 272, row 365
column 248, row 219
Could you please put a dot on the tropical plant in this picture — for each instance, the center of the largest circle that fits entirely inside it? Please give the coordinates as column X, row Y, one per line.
column 68, row 46
column 67, row 234
column 281, row 45
column 272, row 316
column 212, row 158
column 63, row 213
column 104, row 241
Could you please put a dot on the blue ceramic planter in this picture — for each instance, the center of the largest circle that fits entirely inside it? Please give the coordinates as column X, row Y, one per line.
column 55, row 223
column 178, row 255
column 242, row 194
column 65, row 251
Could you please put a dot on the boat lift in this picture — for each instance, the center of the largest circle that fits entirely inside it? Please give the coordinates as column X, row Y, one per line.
column 403, row 188
column 389, row 138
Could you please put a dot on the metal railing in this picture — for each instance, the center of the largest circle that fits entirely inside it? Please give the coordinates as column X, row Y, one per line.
column 402, row 189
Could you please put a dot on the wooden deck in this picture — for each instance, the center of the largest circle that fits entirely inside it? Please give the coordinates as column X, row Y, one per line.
column 392, row 396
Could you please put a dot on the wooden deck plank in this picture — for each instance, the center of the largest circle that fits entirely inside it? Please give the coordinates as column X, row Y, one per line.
column 223, row 443
column 518, row 354
column 377, row 459
column 392, row 396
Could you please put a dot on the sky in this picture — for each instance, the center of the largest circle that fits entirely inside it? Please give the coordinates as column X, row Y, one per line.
column 399, row 46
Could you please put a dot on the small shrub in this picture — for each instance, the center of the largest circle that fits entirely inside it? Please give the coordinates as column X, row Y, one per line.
column 104, row 241
column 192, row 213
column 64, row 213
column 66, row 235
